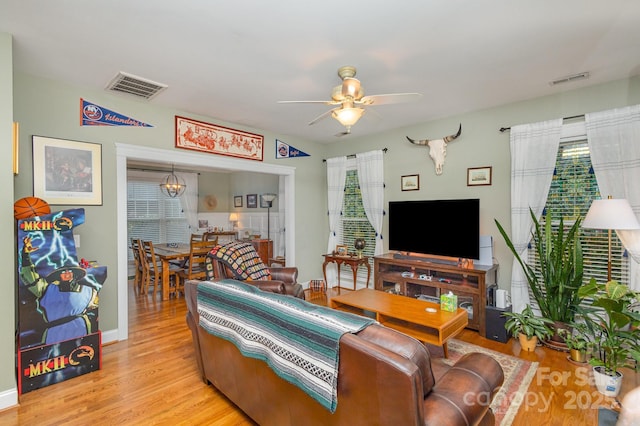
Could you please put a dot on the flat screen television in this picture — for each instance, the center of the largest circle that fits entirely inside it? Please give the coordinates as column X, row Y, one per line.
column 436, row 227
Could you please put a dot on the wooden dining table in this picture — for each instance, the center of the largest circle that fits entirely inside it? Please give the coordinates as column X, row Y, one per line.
column 166, row 253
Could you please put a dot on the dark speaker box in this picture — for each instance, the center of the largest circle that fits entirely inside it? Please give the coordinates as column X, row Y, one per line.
column 495, row 323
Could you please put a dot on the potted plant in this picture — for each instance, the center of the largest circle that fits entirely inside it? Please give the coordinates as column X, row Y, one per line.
column 577, row 341
column 554, row 283
column 612, row 321
column 527, row 327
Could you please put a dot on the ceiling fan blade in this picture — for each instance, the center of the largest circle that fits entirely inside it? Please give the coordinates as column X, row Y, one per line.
column 321, row 116
column 391, row 98
column 310, row 102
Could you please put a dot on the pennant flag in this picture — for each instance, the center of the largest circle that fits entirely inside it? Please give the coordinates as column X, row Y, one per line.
column 94, row 115
column 284, row 150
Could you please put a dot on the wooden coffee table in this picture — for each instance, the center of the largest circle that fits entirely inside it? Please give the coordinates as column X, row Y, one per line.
column 405, row 314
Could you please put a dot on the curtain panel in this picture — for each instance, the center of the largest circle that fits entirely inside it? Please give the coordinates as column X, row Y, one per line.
column 533, row 154
column 613, row 137
column 336, row 176
column 370, row 167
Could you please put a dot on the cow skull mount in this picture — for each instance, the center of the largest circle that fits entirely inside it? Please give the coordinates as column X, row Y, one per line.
column 437, row 148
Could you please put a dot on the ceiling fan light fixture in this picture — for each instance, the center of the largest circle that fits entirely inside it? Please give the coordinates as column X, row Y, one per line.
column 172, row 185
column 351, row 87
column 348, row 116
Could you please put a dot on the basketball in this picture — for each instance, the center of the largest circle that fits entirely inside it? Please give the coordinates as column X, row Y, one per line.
column 29, row 207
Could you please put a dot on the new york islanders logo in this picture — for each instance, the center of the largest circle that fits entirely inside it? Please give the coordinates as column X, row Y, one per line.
column 92, row 112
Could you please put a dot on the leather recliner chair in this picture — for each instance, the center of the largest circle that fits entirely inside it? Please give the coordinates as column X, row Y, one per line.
column 288, row 276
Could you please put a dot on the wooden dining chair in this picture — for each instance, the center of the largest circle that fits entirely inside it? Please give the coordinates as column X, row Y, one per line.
column 154, row 272
column 138, row 259
column 210, row 236
column 196, row 266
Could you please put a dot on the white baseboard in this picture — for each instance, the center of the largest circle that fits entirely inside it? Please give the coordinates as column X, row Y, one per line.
column 8, row 398
column 110, row 336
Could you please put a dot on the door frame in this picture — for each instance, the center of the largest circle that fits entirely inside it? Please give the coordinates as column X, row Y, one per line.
column 186, row 159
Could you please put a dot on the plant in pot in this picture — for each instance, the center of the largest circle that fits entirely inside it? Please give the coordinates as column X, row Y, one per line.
column 555, row 281
column 527, row 327
column 612, row 321
column 577, row 341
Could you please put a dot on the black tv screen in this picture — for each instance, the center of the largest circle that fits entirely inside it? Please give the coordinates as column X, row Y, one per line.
column 437, row 227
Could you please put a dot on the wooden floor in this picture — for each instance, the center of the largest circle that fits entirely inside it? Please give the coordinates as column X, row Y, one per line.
column 151, row 379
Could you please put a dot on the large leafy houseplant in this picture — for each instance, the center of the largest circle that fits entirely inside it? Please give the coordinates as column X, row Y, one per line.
column 527, row 323
column 554, row 283
column 612, row 319
column 527, row 327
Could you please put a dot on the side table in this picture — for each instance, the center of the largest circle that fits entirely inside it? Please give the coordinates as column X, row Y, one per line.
column 353, row 261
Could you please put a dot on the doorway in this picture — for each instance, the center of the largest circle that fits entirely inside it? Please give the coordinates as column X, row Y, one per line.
column 193, row 161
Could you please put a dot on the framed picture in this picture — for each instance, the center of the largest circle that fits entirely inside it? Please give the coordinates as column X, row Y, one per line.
column 477, row 176
column 341, row 250
column 205, row 137
column 67, row 172
column 252, row 201
column 237, row 201
column 410, row 182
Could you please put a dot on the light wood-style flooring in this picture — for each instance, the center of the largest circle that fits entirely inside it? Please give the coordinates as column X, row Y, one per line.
column 151, row 379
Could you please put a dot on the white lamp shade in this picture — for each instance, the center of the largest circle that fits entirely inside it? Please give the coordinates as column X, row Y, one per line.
column 610, row 214
column 268, row 197
column 233, row 217
column 348, row 116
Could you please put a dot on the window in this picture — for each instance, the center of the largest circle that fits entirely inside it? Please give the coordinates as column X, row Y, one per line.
column 355, row 225
column 152, row 216
column 573, row 187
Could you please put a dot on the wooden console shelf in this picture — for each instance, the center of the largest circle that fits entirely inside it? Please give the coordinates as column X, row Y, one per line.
column 424, row 278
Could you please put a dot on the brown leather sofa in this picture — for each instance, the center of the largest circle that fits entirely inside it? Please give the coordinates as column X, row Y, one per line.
column 285, row 275
column 384, row 378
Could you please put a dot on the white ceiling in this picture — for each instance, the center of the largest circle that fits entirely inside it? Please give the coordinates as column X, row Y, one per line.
column 233, row 60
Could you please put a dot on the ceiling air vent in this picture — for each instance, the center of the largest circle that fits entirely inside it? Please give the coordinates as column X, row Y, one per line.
column 570, row 78
column 134, row 85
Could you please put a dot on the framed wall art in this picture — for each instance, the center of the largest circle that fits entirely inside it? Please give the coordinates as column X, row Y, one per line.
column 410, row 182
column 67, row 172
column 478, row 176
column 252, row 201
column 237, row 201
column 206, row 137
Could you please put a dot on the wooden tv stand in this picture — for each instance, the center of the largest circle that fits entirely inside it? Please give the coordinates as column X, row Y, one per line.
column 469, row 284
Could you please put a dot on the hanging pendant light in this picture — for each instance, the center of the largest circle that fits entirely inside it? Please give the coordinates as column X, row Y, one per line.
column 172, row 185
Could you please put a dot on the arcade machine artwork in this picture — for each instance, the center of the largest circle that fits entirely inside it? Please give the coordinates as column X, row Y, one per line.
column 58, row 336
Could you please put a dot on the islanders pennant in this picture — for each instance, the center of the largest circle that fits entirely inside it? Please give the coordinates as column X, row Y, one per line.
column 94, row 115
column 284, row 150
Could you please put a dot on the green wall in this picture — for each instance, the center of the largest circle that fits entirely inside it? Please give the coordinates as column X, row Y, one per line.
column 8, row 395
column 214, row 186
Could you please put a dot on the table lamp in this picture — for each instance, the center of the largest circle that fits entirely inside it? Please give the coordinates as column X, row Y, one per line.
column 610, row 214
column 233, row 218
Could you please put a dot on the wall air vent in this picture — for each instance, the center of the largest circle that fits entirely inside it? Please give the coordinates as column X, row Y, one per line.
column 570, row 78
column 134, row 85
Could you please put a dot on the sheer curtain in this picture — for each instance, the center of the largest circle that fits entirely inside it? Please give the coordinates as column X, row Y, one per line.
column 370, row 168
column 189, row 200
column 336, row 176
column 534, row 148
column 614, row 142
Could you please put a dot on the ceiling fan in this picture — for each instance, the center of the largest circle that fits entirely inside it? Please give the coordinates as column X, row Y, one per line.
column 350, row 101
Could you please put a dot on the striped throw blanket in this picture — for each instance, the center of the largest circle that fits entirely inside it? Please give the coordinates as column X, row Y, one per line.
column 298, row 340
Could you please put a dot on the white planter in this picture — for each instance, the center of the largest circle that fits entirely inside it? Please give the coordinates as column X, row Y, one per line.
column 607, row 385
